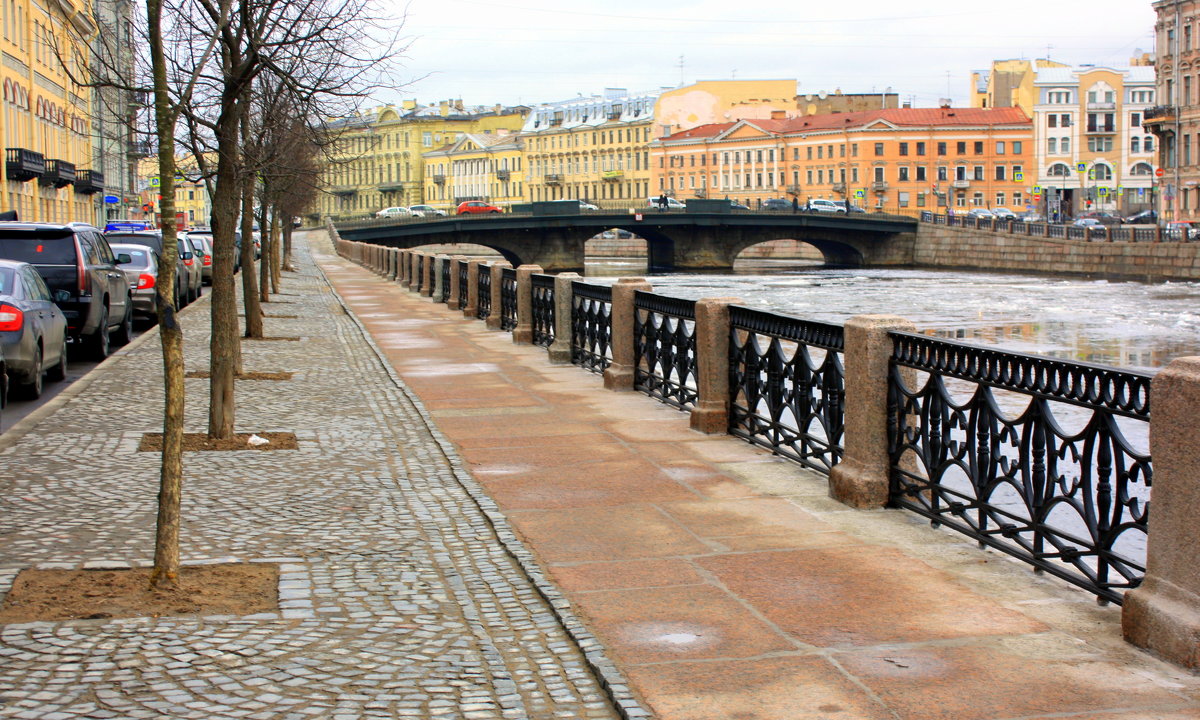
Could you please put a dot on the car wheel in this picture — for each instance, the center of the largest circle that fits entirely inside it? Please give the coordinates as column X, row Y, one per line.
column 494, row 211
column 99, row 340
column 124, row 334
column 58, row 373
column 32, row 390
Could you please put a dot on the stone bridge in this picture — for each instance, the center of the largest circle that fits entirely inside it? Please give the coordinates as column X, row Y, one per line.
column 675, row 240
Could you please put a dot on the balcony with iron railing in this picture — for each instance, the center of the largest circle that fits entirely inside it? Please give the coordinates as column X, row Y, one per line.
column 503, row 174
column 879, row 187
column 438, row 178
column 961, row 184
column 23, row 165
column 58, row 174
column 89, row 182
column 553, row 179
column 839, row 187
column 612, row 175
column 1159, row 112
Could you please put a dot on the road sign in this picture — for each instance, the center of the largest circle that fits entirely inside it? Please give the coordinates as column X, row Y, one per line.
column 1158, row 172
column 112, row 199
column 1018, row 176
column 860, row 194
column 1037, row 189
column 154, row 182
column 1081, row 167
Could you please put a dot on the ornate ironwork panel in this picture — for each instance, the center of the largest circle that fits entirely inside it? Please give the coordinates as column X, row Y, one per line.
column 508, row 298
column 543, row 309
column 484, row 306
column 445, row 294
column 1035, row 457
column 787, row 386
column 420, row 271
column 591, row 326
column 463, row 282
column 664, row 337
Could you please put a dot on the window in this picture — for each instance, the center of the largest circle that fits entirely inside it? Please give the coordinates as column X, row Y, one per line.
column 1135, row 120
column 1135, row 145
column 820, row 177
column 960, row 172
column 878, row 149
column 1051, row 145
column 978, row 174
column 1101, row 172
column 903, row 174
column 1018, row 147
column 1064, row 145
column 1000, row 199
column 942, row 174
column 809, row 177
column 879, row 175
column 920, row 148
column 1000, row 172
column 1058, row 97
column 961, row 148
column 1017, row 170
column 921, row 173
column 1141, row 169
column 903, row 148
column 1147, row 144
column 854, row 174
column 941, row 148
column 1000, row 147
column 978, row 147
column 903, row 198
column 810, row 152
column 795, row 153
column 853, row 149
column 1100, row 144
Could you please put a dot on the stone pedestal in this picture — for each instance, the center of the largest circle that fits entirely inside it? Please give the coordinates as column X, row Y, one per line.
column 438, row 276
column 405, row 268
column 523, row 332
column 1163, row 614
column 860, row 480
column 428, row 276
column 711, row 414
column 455, row 302
column 494, row 317
column 564, row 303
column 474, row 267
column 619, row 374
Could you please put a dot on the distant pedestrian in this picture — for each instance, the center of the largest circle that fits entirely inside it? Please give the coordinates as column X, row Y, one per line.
column 662, row 202
column 795, row 204
column 808, row 205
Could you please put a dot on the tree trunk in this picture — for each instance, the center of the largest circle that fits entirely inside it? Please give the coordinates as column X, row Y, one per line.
column 224, row 346
column 170, row 492
column 264, row 267
column 275, row 252
column 287, row 245
column 253, row 310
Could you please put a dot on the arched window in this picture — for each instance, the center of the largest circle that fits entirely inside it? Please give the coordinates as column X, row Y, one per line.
column 1148, row 144
column 1059, row 170
column 1100, row 171
column 1135, row 145
column 1141, row 169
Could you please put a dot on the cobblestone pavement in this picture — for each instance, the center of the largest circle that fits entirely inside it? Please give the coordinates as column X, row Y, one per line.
column 402, row 591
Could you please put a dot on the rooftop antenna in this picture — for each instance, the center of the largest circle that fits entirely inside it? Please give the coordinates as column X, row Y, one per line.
column 681, row 71
column 1048, row 49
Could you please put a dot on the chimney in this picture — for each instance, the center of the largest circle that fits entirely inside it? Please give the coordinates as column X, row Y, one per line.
column 944, row 103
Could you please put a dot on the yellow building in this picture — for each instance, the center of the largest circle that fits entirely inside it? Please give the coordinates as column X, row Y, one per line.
column 477, row 166
column 590, row 148
column 378, row 156
column 44, row 119
column 1009, row 83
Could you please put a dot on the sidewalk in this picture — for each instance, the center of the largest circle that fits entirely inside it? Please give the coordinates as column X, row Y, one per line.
column 723, row 581
column 402, row 593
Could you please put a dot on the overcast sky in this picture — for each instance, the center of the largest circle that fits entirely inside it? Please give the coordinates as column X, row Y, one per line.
column 531, row 51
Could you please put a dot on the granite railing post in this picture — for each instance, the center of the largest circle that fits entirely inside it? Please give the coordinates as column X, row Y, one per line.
column 474, row 267
column 405, row 268
column 394, row 262
column 427, row 281
column 564, row 304
column 438, row 280
column 497, row 315
column 415, row 283
column 618, row 375
column 455, row 302
column 1162, row 615
column 861, row 479
column 523, row 332
column 711, row 414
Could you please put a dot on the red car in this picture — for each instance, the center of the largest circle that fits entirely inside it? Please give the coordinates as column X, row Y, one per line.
column 476, row 206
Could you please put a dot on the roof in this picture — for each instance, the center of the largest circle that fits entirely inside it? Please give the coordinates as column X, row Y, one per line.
column 1070, row 75
column 898, row 117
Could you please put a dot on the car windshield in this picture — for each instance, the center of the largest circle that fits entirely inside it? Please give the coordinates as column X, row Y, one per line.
column 39, row 247
column 154, row 242
column 139, row 255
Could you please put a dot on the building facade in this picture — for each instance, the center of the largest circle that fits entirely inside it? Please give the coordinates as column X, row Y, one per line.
column 594, row 148
column 1093, row 151
column 1175, row 118
column 477, row 166
column 45, row 115
column 902, row 159
column 378, row 157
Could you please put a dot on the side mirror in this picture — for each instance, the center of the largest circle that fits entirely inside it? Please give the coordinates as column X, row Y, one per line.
column 61, row 296
column 124, row 259
column 185, row 256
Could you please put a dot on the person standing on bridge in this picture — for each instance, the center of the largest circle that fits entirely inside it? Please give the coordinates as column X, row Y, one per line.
column 795, row 204
column 662, row 202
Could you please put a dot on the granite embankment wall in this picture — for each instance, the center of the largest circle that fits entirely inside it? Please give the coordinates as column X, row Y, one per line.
column 967, row 248
column 627, row 248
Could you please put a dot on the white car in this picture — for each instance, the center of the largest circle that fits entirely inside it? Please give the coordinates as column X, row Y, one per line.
column 426, row 211
column 826, row 206
column 394, row 212
column 672, row 203
column 1004, row 214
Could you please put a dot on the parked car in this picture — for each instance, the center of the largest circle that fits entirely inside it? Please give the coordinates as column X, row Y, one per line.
column 142, row 273
column 77, row 259
column 672, row 203
column 821, row 205
column 33, row 330
column 472, row 207
column 737, row 205
column 126, row 226
column 1093, row 227
column 850, row 207
column 776, row 204
column 1004, row 214
column 394, row 212
column 426, row 211
column 585, row 205
column 980, row 213
column 202, row 245
column 1145, row 217
column 1031, row 217
column 187, row 281
column 1104, row 218
column 1185, row 230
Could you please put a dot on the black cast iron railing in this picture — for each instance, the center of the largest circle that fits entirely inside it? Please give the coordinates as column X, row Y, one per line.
column 508, row 298
column 1028, row 455
column 542, row 288
column 444, row 295
column 787, row 386
column 484, row 284
column 464, row 283
column 420, row 272
column 664, row 338
column 591, row 326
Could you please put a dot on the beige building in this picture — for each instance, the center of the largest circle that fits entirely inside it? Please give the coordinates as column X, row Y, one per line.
column 1175, row 118
column 1009, row 83
column 477, row 166
column 594, row 148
